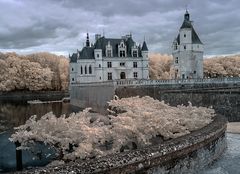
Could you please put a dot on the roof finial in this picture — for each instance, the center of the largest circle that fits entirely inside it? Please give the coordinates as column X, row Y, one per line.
column 186, row 6
column 87, row 41
column 186, row 15
column 103, row 33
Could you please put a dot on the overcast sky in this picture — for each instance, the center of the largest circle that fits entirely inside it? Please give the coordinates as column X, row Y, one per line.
column 60, row 26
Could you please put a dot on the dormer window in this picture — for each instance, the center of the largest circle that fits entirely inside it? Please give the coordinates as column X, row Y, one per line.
column 135, row 53
column 109, row 53
column 134, row 50
column 122, row 49
column 122, row 53
column 108, row 50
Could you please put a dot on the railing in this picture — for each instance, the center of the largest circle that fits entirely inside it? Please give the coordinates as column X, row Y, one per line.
column 231, row 80
column 147, row 82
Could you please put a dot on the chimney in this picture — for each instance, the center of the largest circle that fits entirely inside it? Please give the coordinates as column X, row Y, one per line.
column 97, row 36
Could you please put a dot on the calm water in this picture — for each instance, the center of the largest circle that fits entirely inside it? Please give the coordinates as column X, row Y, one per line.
column 15, row 114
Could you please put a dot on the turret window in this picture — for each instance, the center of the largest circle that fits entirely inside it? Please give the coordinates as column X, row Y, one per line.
column 184, row 47
column 175, row 46
column 184, row 35
column 176, row 60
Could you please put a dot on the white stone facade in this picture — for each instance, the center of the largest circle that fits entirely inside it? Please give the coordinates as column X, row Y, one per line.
column 109, row 59
column 187, row 51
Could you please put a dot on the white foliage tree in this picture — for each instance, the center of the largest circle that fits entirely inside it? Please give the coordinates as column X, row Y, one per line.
column 131, row 121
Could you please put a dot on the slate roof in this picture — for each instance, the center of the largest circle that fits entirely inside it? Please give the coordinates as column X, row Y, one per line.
column 188, row 24
column 103, row 42
column 73, row 58
column 88, row 51
column 144, row 47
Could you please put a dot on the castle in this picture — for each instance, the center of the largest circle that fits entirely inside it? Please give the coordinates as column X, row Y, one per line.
column 109, row 59
column 187, row 51
column 121, row 58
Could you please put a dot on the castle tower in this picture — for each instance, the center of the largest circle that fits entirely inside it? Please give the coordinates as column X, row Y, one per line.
column 187, row 51
column 144, row 52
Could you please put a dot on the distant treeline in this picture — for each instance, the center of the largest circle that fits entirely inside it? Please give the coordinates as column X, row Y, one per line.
column 40, row 71
column 45, row 71
column 228, row 66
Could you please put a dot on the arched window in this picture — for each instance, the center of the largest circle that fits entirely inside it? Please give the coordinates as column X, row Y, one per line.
column 81, row 70
column 90, row 69
column 85, row 69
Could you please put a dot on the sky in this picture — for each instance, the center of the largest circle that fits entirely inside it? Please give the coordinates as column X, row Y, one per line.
column 60, row 26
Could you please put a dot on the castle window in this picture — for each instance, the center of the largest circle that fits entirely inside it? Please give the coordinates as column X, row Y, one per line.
column 122, row 63
column 72, row 69
column 135, row 53
column 194, row 72
column 184, row 35
column 184, row 47
column 81, row 70
column 73, row 79
column 122, row 53
column 109, row 64
column 99, row 65
column 90, row 69
column 175, row 46
column 85, row 69
column 134, row 64
column 176, row 60
column 109, row 76
column 97, row 55
column 109, row 53
column 135, row 74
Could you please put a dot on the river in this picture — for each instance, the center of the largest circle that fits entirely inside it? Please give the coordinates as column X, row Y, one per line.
column 15, row 114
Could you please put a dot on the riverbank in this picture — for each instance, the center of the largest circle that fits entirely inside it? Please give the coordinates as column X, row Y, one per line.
column 233, row 127
column 24, row 96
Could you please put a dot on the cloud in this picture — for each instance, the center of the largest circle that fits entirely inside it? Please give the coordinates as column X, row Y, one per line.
column 60, row 25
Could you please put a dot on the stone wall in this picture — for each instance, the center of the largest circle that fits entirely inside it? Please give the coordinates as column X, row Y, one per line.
column 186, row 154
column 95, row 95
column 225, row 101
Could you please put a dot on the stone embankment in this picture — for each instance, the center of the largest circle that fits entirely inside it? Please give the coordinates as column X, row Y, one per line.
column 24, row 96
column 186, row 154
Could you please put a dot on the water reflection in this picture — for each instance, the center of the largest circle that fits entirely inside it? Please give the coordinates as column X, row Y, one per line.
column 15, row 114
